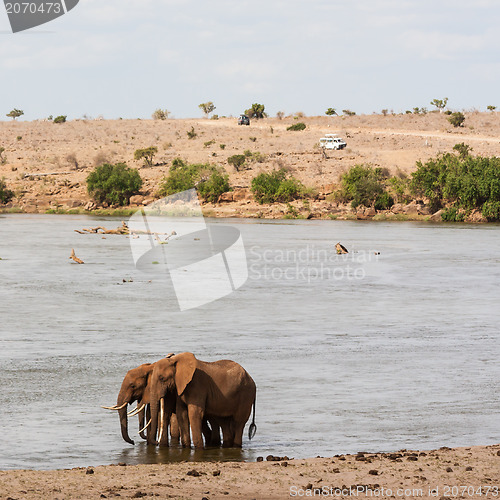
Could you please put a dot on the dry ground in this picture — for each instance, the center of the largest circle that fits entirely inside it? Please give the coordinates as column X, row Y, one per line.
column 445, row 473
column 71, row 150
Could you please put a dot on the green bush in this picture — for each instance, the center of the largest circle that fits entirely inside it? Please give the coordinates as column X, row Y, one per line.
column 453, row 214
column 5, row 194
column 60, row 119
column 276, row 186
column 456, row 119
column 113, row 184
column 209, row 180
column 297, row 126
column 468, row 182
column 364, row 185
column 146, row 154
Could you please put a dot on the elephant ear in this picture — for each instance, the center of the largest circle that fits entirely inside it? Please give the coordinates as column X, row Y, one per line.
column 185, row 366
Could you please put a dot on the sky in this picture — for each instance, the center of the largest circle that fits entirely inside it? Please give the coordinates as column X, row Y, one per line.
column 126, row 58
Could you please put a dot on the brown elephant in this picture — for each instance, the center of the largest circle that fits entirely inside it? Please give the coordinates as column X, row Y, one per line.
column 135, row 388
column 219, row 390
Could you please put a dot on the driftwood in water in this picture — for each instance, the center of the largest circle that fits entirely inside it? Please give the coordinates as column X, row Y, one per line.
column 123, row 229
column 75, row 258
column 341, row 248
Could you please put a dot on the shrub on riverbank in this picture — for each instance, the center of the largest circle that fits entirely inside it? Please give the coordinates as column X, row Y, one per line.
column 209, row 180
column 5, row 194
column 277, row 186
column 365, row 185
column 464, row 181
column 113, row 184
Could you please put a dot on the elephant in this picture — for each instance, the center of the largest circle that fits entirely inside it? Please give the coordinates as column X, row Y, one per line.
column 221, row 390
column 135, row 388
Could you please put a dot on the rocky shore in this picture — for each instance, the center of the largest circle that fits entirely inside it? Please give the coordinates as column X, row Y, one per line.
column 472, row 472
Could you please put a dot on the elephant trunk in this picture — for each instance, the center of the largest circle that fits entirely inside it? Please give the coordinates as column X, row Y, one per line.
column 123, row 419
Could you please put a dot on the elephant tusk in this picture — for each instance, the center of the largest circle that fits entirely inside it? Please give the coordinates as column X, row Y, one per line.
column 145, row 427
column 137, row 410
column 115, row 407
column 162, row 405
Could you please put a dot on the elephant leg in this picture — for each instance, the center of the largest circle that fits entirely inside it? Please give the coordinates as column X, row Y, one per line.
column 238, row 433
column 167, row 412
column 227, row 434
column 183, row 421
column 175, row 432
column 195, row 414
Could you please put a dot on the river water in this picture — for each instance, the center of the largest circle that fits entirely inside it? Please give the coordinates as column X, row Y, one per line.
column 395, row 345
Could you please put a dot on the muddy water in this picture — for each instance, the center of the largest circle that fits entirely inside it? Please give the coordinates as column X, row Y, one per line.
column 366, row 352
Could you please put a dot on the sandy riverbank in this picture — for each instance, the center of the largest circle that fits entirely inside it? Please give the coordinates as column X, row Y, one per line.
column 471, row 472
column 46, row 164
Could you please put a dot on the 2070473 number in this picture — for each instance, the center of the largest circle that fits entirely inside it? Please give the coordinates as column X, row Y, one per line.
column 33, row 8
column 471, row 491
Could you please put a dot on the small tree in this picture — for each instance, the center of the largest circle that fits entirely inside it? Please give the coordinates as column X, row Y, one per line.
column 15, row 113
column 160, row 114
column 207, row 107
column 146, row 154
column 456, row 119
column 331, row 112
column 280, row 115
column 463, row 150
column 491, row 108
column 348, row 112
column 60, row 119
column 237, row 161
column 256, row 111
column 191, row 133
column 440, row 103
column 113, row 184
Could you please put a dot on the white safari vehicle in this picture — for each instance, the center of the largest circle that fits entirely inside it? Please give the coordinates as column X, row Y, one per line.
column 332, row 141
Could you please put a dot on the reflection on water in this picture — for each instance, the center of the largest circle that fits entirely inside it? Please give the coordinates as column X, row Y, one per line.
column 367, row 352
column 144, row 454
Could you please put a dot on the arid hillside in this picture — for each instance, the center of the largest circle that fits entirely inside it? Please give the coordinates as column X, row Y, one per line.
column 69, row 151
